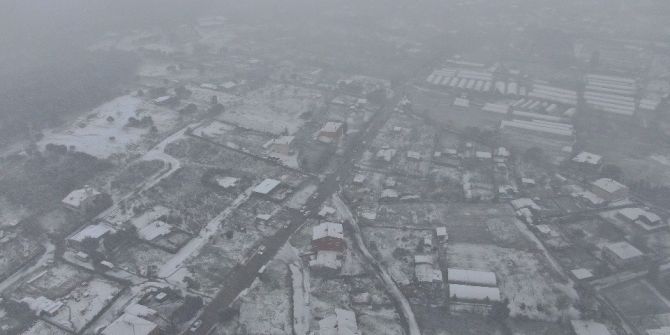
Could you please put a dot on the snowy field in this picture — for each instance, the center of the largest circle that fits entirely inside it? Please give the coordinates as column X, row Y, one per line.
column 524, row 277
column 274, row 109
column 98, row 135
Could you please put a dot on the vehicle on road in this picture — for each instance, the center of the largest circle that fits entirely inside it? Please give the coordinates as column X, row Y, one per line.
column 261, row 250
column 195, row 326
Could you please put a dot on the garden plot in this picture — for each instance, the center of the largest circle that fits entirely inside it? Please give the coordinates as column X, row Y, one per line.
column 274, row 109
column 15, row 251
column 84, row 303
column 185, row 193
column 196, row 151
column 54, row 282
column 267, row 308
column 396, row 248
column 637, row 299
column 139, row 258
column 101, row 136
column 43, row 328
column 239, row 235
column 328, row 294
column 524, row 277
column 436, row 322
column 202, row 98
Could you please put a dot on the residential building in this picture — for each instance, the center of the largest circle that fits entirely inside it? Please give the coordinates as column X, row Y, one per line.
column 331, row 132
column 477, row 294
column 81, row 200
column 267, row 186
column 609, row 189
column 328, row 236
column 622, row 254
column 471, row 277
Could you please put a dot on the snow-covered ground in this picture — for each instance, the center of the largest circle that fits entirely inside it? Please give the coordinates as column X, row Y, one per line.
column 85, row 302
column 99, row 136
column 525, row 279
column 170, row 269
column 274, row 109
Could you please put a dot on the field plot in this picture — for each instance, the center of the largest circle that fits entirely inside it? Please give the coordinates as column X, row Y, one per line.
column 138, row 258
column 82, row 293
column 239, row 235
column 525, row 278
column 185, row 193
column 439, row 106
column 274, row 109
column 235, row 137
column 85, row 302
column 267, row 309
column 104, row 131
column 437, row 322
column 42, row 328
column 197, row 152
column 637, row 300
column 15, row 251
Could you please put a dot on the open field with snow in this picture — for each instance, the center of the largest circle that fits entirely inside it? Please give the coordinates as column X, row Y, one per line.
column 274, row 109
column 99, row 135
column 524, row 276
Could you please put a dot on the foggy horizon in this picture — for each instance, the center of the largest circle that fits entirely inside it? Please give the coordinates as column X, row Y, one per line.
column 323, row 167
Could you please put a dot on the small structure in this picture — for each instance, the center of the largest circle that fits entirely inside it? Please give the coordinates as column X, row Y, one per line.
column 587, row 162
column 483, row 155
column 644, row 219
column 471, row 277
column 462, row 102
column 581, row 274
column 42, row 305
column 581, row 327
column 140, row 311
column 227, row 182
column 95, row 231
column 326, row 211
column 81, row 200
column 282, row 145
column 622, row 254
column 328, row 236
column 477, row 294
column 343, row 322
column 414, row 155
column 385, row 155
column 359, row 179
column 266, row 186
column 131, row 324
column 389, row 194
column 441, row 233
column 331, row 132
column 609, row 189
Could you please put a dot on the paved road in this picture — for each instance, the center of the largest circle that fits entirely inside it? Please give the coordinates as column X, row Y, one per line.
column 241, row 277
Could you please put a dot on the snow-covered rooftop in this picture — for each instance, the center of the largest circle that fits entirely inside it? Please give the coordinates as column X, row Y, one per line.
column 94, row 231
column 472, row 277
column 154, row 229
column 327, row 229
column 266, row 186
column 588, row 158
column 77, row 197
column 476, row 293
column 582, row 273
column 624, row 250
column 609, row 185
